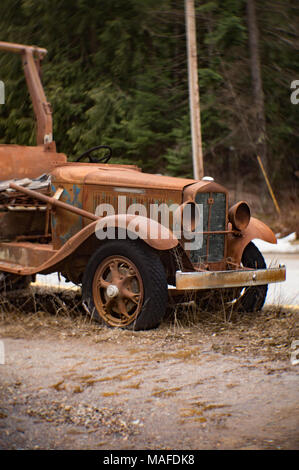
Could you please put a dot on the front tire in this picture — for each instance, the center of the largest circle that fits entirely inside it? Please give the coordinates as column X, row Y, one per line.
column 252, row 299
column 125, row 285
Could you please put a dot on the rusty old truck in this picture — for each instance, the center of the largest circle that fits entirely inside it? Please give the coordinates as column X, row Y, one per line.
column 76, row 218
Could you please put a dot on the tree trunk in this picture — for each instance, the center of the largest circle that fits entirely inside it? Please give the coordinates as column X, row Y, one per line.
column 260, row 136
column 194, row 100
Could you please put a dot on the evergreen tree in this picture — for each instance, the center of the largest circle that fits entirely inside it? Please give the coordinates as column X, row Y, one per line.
column 116, row 74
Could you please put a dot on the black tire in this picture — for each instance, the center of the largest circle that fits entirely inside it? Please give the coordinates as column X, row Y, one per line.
column 150, row 278
column 252, row 298
column 10, row 282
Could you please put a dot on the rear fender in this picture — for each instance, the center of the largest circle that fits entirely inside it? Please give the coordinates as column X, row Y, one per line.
column 125, row 224
column 255, row 229
column 153, row 233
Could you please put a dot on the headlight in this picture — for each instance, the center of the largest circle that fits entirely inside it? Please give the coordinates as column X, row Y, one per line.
column 239, row 215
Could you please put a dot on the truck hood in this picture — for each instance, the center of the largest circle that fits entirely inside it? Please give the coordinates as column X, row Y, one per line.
column 117, row 175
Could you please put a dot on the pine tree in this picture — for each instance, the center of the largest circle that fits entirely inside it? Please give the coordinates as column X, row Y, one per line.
column 116, row 74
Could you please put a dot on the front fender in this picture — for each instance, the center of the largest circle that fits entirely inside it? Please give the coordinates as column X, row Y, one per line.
column 136, row 226
column 255, row 229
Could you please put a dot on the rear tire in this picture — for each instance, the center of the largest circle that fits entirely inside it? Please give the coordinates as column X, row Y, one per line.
column 10, row 282
column 124, row 285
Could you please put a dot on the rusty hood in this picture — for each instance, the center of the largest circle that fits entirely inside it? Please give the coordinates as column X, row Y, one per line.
column 118, row 175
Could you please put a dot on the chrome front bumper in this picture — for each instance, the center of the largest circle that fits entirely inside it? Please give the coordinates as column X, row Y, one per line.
column 234, row 278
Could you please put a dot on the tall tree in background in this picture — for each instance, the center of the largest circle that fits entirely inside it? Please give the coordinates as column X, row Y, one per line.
column 260, row 136
column 116, row 73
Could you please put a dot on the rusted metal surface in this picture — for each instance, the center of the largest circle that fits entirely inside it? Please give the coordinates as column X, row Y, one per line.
column 9, row 262
column 239, row 215
column 21, row 48
column 148, row 230
column 237, row 243
column 31, row 57
column 223, row 279
column 14, row 224
column 118, row 291
column 41, row 106
column 203, row 186
column 164, row 240
column 66, row 223
column 27, row 162
column 23, row 217
column 151, row 231
column 56, row 257
column 116, row 176
column 53, row 202
column 25, row 254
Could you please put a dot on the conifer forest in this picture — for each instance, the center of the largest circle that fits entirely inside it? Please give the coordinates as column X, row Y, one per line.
column 116, row 74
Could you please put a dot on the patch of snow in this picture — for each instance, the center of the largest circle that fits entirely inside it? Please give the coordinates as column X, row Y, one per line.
column 284, row 245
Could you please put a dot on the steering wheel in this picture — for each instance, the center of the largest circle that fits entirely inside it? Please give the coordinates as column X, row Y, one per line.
column 104, row 159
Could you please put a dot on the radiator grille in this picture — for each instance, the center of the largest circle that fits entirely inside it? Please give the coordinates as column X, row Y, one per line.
column 214, row 219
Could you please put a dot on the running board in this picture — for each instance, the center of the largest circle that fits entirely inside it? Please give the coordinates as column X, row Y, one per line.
column 17, row 257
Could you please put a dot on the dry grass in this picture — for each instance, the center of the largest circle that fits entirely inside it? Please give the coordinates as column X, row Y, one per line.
column 268, row 332
column 42, row 313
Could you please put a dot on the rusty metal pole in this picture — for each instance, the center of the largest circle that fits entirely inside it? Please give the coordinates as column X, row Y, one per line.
column 54, row 202
column 194, row 101
column 31, row 57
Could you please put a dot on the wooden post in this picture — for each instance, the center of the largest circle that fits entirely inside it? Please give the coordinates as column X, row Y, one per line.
column 268, row 184
column 260, row 133
column 198, row 170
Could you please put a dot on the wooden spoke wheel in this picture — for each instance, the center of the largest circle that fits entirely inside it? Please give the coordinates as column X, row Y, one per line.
column 124, row 285
column 118, row 291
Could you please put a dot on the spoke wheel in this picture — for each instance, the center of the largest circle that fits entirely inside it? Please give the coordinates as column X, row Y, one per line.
column 124, row 285
column 118, row 291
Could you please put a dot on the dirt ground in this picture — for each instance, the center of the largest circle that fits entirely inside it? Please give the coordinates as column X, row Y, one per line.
column 199, row 381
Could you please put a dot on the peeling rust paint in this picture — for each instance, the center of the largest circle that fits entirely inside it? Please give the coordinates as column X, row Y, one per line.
column 223, row 279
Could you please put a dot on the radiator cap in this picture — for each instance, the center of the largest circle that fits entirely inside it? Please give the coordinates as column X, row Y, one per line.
column 207, row 178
